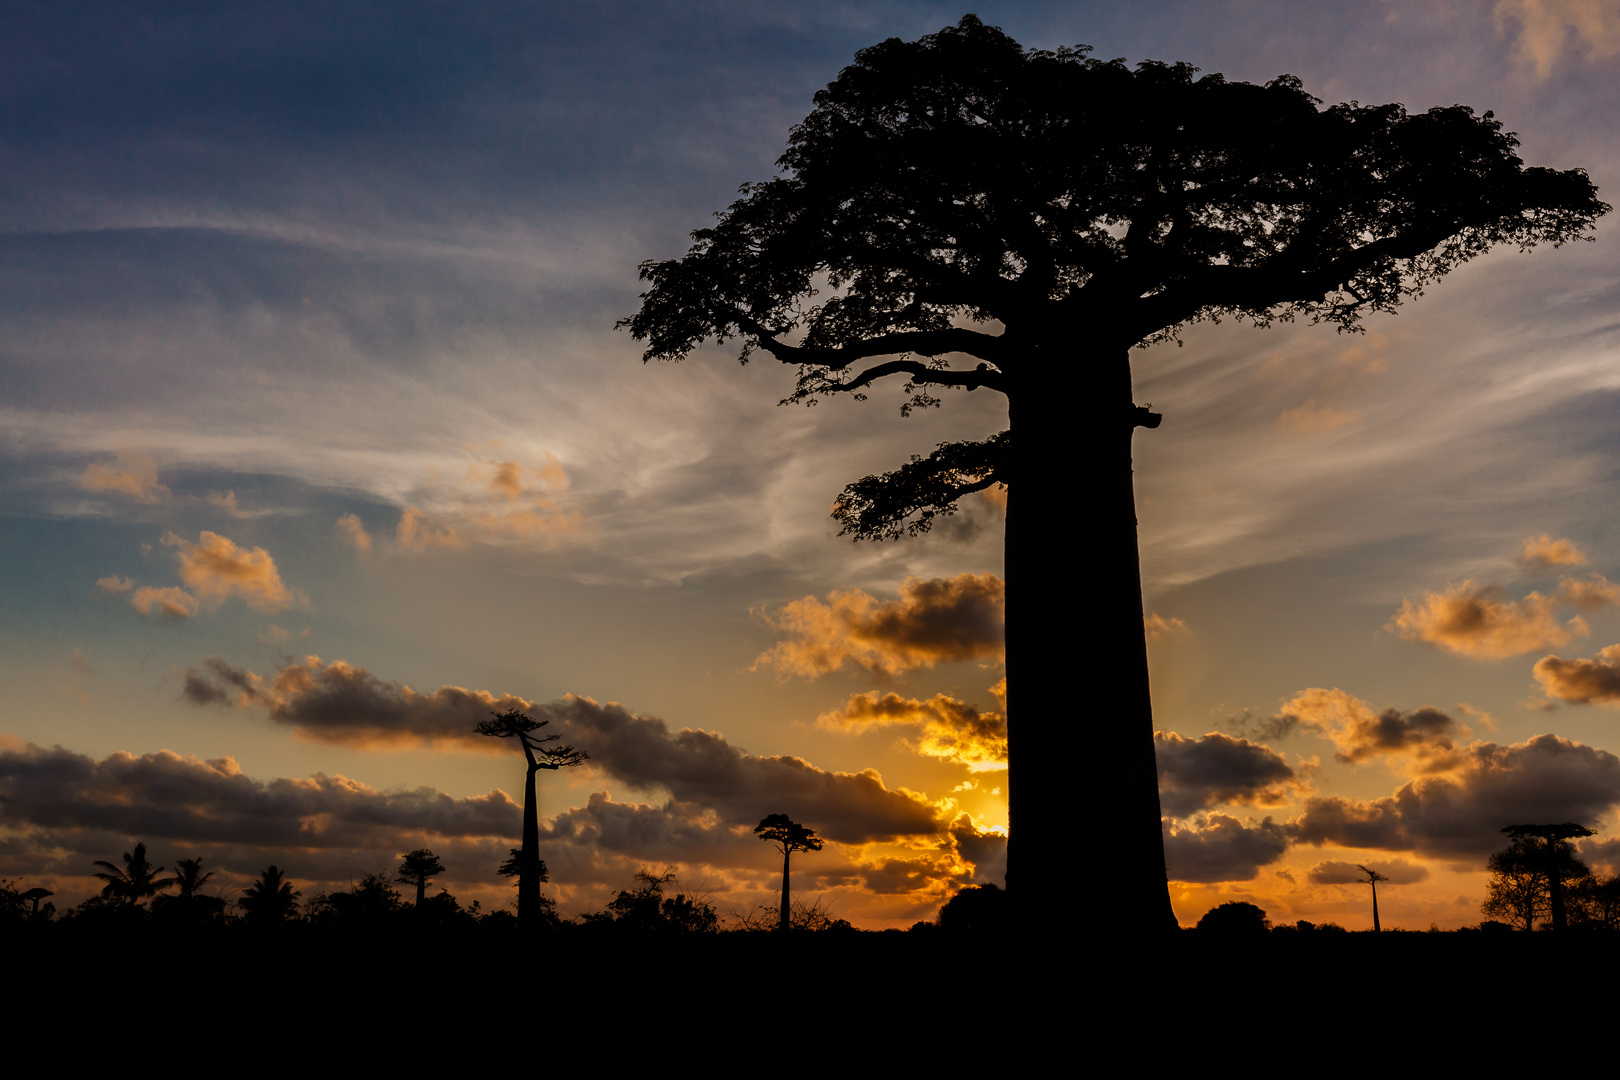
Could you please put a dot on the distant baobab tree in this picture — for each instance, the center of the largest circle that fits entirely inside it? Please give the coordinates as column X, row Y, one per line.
column 1559, row 863
column 1373, row 878
column 418, row 869
column 788, row 836
column 513, row 724
column 962, row 213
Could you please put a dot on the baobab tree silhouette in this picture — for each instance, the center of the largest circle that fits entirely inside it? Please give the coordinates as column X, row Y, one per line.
column 1373, row 878
column 1041, row 214
column 418, row 869
column 513, row 724
column 788, row 836
column 1558, row 860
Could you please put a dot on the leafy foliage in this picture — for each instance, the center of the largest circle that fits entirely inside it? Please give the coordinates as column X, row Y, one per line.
column 137, row 880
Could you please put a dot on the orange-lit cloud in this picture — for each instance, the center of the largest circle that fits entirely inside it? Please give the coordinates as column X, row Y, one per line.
column 113, row 586
column 1460, row 814
column 1222, row 848
column 133, row 474
column 934, row 621
column 1196, row 774
column 171, row 602
column 415, row 534
column 1311, row 417
column 1594, row 593
column 1479, row 622
column 1583, row 682
column 1545, row 28
column 353, row 530
column 216, row 568
column 345, row 704
column 1423, row 740
column 1397, row 871
column 950, row 729
column 1541, row 552
column 1156, row 626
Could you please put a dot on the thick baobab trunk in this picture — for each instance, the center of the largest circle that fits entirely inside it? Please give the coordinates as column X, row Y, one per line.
column 1080, row 719
column 786, row 855
column 529, row 866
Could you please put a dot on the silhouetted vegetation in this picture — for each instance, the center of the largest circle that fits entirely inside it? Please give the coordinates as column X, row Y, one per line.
column 1373, row 878
column 788, row 836
column 540, row 754
column 1234, row 919
column 979, row 909
column 951, row 187
column 418, row 869
column 645, row 909
column 1531, row 877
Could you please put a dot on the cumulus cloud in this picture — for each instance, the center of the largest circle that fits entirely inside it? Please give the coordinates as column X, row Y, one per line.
column 934, row 621
column 351, row 529
column 1460, row 814
column 1220, row 848
column 1542, row 552
column 950, row 729
column 112, row 586
column 416, row 534
column 1478, row 622
column 132, row 474
column 1195, row 774
column 1397, row 871
column 215, row 568
column 1424, row 739
column 178, row 797
column 345, row 704
column 1583, row 682
column 1156, row 626
column 1591, row 594
column 170, row 602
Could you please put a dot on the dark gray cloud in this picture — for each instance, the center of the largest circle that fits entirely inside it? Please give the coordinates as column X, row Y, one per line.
column 1460, row 814
column 1195, row 774
column 1336, row 872
column 1221, row 848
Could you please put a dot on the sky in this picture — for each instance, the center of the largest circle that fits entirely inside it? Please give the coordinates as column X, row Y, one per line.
column 318, row 443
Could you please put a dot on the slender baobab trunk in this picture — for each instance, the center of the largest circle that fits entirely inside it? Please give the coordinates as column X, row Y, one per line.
column 1079, row 714
column 783, row 925
column 1376, row 928
column 529, row 867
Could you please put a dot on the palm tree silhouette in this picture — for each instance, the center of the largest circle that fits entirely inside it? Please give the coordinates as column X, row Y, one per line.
column 137, row 880
column 189, row 877
column 271, row 898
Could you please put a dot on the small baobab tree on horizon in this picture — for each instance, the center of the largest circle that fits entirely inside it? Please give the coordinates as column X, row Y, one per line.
column 1373, row 878
column 418, row 869
column 513, row 724
column 788, row 836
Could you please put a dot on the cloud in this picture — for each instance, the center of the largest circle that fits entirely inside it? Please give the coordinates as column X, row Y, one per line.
column 1541, row 552
column 1221, row 848
column 1156, row 626
column 134, row 475
column 350, row 528
column 1593, row 594
column 935, row 621
column 1460, row 815
column 952, row 730
column 1310, row 418
column 177, row 797
column 986, row 849
column 1545, row 28
column 1479, row 623
column 216, row 568
column 413, row 535
column 343, row 703
column 348, row 705
column 1583, row 682
column 114, row 585
column 171, row 602
column 1195, row 774
column 1424, row 739
column 1398, row 871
